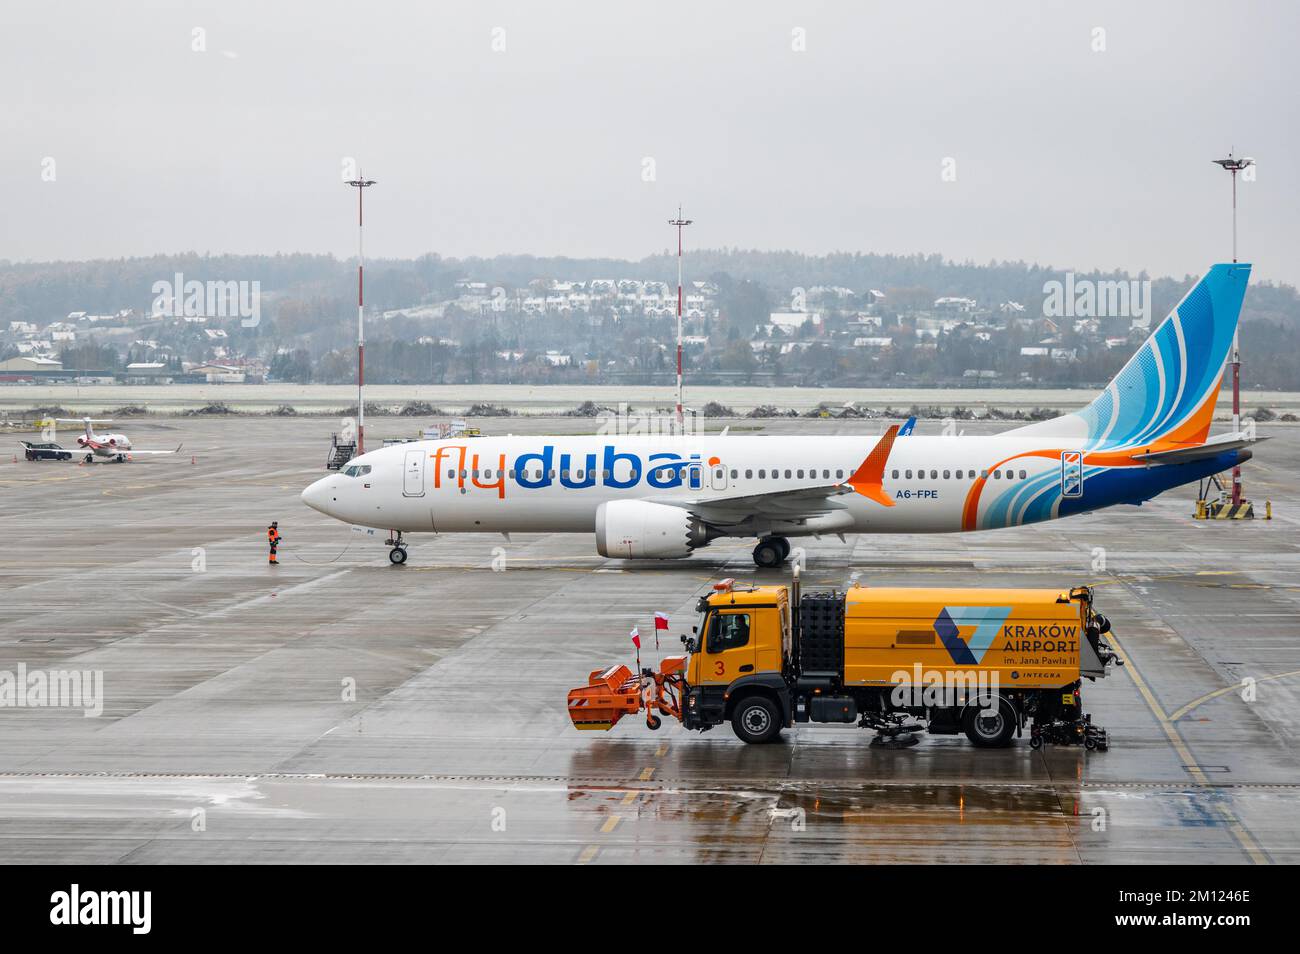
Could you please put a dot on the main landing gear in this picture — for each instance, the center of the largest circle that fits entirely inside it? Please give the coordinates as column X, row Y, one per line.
column 771, row 552
column 397, row 555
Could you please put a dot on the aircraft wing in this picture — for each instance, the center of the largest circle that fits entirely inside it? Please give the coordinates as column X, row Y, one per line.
column 1211, row 448
column 779, row 504
column 133, row 451
column 798, row 502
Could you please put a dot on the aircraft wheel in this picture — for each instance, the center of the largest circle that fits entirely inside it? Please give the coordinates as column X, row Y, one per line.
column 768, row 554
column 784, row 544
column 397, row 555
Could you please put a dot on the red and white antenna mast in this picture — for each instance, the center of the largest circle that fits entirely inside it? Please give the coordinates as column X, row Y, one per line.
column 680, row 223
column 360, row 185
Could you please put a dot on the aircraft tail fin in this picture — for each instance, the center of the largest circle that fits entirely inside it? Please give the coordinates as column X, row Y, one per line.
column 1166, row 393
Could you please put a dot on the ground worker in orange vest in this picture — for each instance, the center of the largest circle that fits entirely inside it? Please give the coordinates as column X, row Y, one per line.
column 273, row 538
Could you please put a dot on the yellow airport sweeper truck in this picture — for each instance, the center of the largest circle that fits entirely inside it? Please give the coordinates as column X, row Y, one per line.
column 898, row 660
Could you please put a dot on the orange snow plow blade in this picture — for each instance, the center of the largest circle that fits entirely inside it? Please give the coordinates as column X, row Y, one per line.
column 609, row 695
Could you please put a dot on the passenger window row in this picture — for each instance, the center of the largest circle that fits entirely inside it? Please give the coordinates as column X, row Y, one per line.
column 998, row 474
column 530, row 474
column 664, row 474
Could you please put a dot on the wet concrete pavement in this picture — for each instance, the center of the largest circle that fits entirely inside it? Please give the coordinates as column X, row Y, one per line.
column 338, row 709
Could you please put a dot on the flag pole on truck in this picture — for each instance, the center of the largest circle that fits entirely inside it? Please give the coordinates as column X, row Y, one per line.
column 661, row 624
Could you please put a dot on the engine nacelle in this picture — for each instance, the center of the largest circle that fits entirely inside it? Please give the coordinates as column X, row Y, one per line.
column 629, row 529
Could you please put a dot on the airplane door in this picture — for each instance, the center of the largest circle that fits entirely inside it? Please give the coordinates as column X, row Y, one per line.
column 1072, row 473
column 693, row 480
column 413, row 474
column 717, row 475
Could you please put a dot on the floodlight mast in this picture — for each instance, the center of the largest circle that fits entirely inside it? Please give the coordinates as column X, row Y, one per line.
column 1234, row 165
column 679, row 223
column 361, row 184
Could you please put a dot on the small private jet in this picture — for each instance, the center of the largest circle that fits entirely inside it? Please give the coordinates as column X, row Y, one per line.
column 108, row 447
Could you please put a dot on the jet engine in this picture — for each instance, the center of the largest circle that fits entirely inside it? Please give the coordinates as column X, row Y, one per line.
column 637, row 528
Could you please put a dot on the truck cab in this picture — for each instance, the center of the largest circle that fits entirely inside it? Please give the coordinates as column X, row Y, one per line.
column 742, row 650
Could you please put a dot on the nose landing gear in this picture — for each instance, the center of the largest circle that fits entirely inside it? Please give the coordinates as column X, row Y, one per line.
column 397, row 555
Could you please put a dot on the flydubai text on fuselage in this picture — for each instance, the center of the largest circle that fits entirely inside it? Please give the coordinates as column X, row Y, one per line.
column 664, row 496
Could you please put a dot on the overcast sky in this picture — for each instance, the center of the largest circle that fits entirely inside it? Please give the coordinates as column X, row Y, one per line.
column 1064, row 155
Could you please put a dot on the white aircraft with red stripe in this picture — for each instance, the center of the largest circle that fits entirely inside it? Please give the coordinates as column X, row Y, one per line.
column 109, row 447
column 664, row 497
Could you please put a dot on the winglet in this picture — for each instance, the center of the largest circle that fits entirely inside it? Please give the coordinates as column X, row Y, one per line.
column 868, row 478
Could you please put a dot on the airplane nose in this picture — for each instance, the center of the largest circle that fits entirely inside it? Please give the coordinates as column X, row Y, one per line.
column 320, row 496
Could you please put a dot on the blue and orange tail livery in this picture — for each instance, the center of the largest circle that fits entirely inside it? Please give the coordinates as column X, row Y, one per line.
column 1165, row 395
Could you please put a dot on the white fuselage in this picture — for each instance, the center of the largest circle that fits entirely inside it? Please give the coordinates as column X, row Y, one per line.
column 105, row 445
column 556, row 484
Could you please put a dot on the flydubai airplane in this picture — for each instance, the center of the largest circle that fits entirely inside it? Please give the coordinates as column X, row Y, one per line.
column 664, row 497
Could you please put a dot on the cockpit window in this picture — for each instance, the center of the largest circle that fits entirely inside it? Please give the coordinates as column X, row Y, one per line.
column 356, row 470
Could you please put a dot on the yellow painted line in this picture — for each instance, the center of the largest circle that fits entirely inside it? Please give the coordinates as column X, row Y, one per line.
column 661, row 751
column 1178, row 714
column 610, row 824
column 630, row 797
column 1238, row 830
column 587, row 854
column 647, row 773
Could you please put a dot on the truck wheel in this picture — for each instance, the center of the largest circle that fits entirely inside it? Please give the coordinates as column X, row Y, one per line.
column 755, row 720
column 989, row 732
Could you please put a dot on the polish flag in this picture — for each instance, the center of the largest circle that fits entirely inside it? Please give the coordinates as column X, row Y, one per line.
column 636, row 637
column 661, row 621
